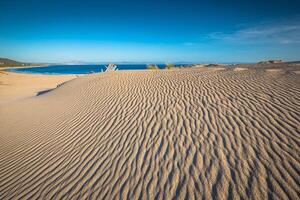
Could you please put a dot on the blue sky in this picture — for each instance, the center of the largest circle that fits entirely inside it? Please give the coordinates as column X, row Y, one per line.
column 149, row 31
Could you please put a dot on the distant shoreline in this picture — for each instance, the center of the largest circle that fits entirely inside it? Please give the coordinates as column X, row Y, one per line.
column 19, row 67
column 78, row 69
column 63, row 69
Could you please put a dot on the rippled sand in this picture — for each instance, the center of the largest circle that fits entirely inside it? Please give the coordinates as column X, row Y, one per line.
column 180, row 134
column 15, row 86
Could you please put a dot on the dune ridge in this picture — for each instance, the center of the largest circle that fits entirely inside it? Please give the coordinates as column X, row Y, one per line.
column 177, row 134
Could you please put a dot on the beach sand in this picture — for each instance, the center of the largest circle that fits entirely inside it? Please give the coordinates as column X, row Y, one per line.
column 195, row 133
column 16, row 86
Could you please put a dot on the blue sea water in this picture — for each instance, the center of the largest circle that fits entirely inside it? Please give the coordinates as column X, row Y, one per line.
column 76, row 69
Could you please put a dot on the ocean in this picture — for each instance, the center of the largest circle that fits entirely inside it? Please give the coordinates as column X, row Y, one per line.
column 78, row 69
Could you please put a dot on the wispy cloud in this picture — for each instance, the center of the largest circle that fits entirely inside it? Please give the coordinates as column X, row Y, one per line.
column 190, row 44
column 277, row 33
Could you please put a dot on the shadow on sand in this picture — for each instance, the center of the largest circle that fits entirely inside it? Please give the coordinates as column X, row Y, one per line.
column 43, row 92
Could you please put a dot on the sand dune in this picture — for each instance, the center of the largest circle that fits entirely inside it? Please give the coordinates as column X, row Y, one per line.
column 14, row 86
column 240, row 69
column 180, row 134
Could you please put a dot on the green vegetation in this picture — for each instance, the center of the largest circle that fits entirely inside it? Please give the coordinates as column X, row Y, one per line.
column 5, row 62
column 169, row 66
column 151, row 66
column 214, row 65
column 270, row 62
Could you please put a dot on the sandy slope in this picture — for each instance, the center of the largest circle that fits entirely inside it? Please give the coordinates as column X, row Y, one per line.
column 15, row 86
column 182, row 134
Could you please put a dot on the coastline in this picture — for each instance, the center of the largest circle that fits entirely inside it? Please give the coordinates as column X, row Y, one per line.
column 80, row 69
column 18, row 67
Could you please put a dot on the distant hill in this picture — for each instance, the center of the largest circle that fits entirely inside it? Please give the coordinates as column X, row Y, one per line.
column 5, row 62
column 270, row 62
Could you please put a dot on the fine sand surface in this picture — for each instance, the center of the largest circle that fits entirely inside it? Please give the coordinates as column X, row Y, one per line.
column 196, row 133
column 16, row 86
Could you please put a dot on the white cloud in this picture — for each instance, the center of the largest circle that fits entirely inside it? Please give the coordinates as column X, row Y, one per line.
column 190, row 44
column 277, row 33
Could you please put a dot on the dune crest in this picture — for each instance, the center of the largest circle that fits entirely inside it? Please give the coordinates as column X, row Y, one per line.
column 274, row 70
column 180, row 134
column 240, row 69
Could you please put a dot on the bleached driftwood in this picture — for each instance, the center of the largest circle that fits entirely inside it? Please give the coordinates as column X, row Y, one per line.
column 111, row 67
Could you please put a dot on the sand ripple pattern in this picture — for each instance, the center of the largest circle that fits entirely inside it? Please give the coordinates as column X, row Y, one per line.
column 182, row 134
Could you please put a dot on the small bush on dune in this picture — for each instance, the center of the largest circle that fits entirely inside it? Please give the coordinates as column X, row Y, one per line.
column 151, row 66
column 169, row 66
